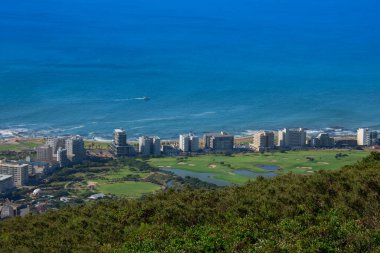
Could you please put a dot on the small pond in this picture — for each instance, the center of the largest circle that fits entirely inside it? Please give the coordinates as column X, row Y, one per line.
column 268, row 167
column 253, row 174
column 206, row 177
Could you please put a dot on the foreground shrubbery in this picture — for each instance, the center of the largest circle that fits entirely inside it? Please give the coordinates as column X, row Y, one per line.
column 325, row 212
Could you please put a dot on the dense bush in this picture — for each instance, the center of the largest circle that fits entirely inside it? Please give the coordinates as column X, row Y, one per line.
column 325, row 212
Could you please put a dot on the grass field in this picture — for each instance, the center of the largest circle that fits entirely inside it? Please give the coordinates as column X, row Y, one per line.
column 114, row 182
column 223, row 167
column 123, row 172
column 21, row 145
column 128, row 189
column 96, row 145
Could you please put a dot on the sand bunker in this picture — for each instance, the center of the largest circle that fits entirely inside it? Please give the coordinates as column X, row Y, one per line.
column 212, row 166
column 274, row 161
column 182, row 163
column 305, row 168
column 323, row 163
column 192, row 165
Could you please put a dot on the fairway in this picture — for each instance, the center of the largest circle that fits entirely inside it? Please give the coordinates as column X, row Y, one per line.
column 225, row 167
column 129, row 189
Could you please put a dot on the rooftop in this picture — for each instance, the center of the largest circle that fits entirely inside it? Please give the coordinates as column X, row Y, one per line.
column 4, row 177
column 220, row 134
column 12, row 164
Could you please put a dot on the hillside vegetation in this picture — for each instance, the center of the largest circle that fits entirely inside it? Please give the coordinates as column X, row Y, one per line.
column 335, row 211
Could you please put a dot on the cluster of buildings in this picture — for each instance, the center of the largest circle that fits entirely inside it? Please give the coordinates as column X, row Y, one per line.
column 62, row 151
column 188, row 143
column 10, row 209
column 296, row 138
column 284, row 139
column 21, row 172
column 57, row 152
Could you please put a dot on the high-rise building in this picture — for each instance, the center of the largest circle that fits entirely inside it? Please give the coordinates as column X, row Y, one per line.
column 19, row 172
column 6, row 183
column 149, row 145
column 45, row 154
column 120, row 137
column 62, row 157
column 292, row 138
column 156, row 145
column 184, row 143
column 76, row 152
column 188, row 143
column 263, row 140
column 219, row 142
column 325, row 141
column 170, row 150
column 55, row 143
column 119, row 146
column 145, row 145
column 366, row 137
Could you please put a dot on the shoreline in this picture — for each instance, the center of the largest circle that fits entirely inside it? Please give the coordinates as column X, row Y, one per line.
column 12, row 135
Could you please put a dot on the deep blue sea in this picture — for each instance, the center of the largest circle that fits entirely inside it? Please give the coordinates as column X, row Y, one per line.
column 82, row 67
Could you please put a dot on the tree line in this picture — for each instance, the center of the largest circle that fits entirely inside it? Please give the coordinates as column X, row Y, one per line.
column 324, row 212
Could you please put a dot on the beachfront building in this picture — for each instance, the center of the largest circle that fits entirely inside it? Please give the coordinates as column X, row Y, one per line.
column 19, row 172
column 325, row 141
column 188, row 143
column 263, row 141
column 119, row 146
column 169, row 150
column 366, row 137
column 149, row 145
column 55, row 143
column 62, row 158
column 292, row 138
column 76, row 152
column 345, row 142
column 45, row 154
column 6, row 183
column 219, row 142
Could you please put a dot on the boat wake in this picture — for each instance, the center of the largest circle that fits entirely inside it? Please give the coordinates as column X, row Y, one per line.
column 130, row 99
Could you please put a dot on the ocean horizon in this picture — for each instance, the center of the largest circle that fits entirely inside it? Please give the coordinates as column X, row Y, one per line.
column 80, row 67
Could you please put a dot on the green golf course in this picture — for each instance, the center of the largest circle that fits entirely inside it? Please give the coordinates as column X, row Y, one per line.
column 267, row 164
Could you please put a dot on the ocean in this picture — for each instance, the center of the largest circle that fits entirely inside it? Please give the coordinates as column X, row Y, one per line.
column 84, row 67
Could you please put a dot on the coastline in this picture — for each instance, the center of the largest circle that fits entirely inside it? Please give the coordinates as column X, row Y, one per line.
column 12, row 135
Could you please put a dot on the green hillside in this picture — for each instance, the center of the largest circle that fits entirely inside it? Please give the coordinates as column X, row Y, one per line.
column 328, row 211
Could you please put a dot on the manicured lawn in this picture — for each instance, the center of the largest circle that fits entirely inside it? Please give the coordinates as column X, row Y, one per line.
column 123, row 172
column 128, row 189
column 293, row 161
